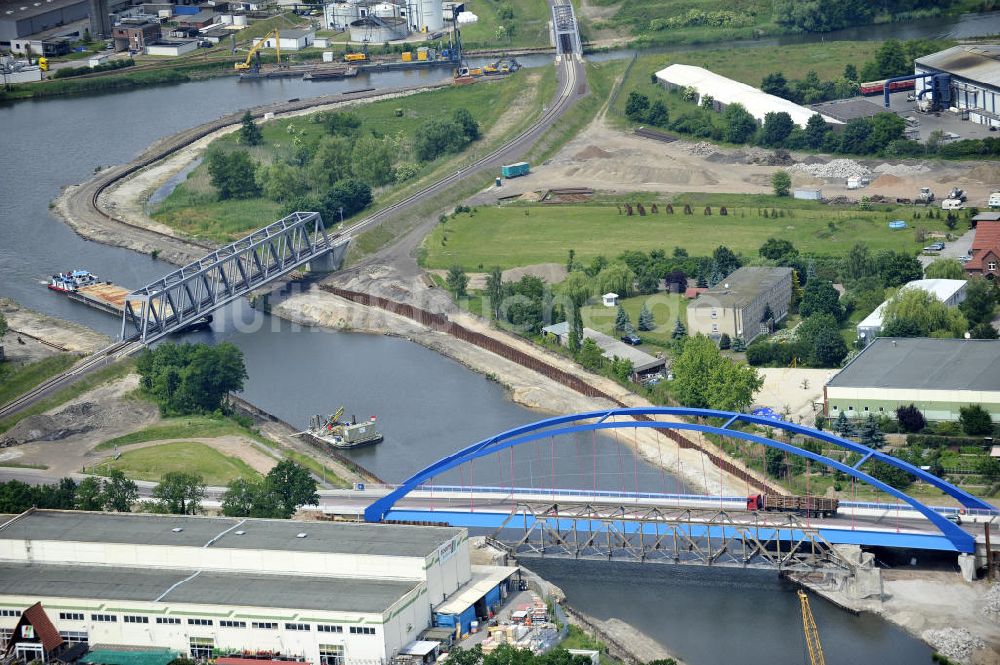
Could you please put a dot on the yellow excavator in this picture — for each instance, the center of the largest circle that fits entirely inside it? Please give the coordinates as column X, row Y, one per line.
column 252, row 64
column 811, row 631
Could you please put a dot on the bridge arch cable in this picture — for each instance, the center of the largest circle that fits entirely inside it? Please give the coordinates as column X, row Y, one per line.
column 596, row 421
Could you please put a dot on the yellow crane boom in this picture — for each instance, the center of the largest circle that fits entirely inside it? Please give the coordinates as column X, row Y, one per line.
column 248, row 63
column 812, row 633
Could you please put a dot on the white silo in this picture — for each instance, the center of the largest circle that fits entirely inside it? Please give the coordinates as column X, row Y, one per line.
column 385, row 10
column 426, row 15
column 341, row 14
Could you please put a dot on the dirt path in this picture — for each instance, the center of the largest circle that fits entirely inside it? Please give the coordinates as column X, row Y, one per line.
column 45, row 335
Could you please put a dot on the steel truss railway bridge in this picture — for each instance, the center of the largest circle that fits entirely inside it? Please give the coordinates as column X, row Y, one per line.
column 691, row 530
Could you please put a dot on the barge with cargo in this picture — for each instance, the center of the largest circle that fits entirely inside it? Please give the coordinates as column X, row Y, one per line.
column 336, row 433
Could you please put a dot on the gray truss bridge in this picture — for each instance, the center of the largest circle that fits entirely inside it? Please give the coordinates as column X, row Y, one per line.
column 665, row 535
column 565, row 30
column 188, row 295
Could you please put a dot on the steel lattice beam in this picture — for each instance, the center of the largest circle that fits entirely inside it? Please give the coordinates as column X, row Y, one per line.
column 682, row 535
column 564, row 25
column 196, row 290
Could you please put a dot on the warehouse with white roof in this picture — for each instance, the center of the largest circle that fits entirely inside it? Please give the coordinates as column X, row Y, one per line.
column 324, row 593
column 726, row 91
column 949, row 291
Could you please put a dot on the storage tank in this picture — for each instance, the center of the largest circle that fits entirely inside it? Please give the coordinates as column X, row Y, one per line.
column 430, row 14
column 385, row 10
column 240, row 20
column 341, row 14
column 378, row 31
column 226, row 19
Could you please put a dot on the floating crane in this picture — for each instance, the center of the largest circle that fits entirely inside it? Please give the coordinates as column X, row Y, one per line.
column 252, row 64
column 811, row 632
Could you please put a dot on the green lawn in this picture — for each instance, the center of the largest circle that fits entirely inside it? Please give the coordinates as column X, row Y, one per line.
column 193, row 206
column 17, row 379
column 519, row 235
column 666, row 307
column 530, row 24
column 191, row 457
column 189, row 427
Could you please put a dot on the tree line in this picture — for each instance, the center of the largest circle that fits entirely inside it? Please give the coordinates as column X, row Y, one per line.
column 824, row 16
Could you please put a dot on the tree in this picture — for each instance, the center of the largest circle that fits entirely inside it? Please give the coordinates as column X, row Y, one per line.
column 457, row 281
column 984, row 330
column 819, row 296
column 576, row 331
column 975, row 420
column 774, row 462
column 829, row 348
column 725, row 342
column 889, row 474
column 740, row 125
column 885, row 128
column 590, row 355
column 680, row 331
column 725, row 260
column 658, row 115
column 616, row 278
column 924, row 313
column 577, row 288
column 636, row 106
column 346, row 197
column 191, row 378
column 371, row 161
column 910, row 418
column 859, row 262
column 119, row 492
column 464, row 119
column 3, row 326
column 781, row 182
column 494, row 290
column 854, row 137
column 779, row 250
column 249, row 131
column 945, row 269
column 437, row 137
column 777, row 126
column 342, row 123
column 775, row 84
column 293, row 486
column 180, row 493
column 282, row 182
column 622, row 321
column 891, row 60
column 870, row 434
column 90, row 494
column 844, row 427
column 816, row 131
column 706, row 379
column 646, row 320
column 980, row 301
column 332, row 161
column 233, row 174
column 851, row 73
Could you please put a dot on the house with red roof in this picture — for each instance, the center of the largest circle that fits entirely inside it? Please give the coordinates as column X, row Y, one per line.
column 985, row 251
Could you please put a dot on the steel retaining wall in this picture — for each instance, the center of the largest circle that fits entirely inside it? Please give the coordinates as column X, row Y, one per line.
column 441, row 323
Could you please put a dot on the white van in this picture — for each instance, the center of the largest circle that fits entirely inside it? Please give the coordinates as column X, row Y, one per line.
column 994, row 200
column 952, row 204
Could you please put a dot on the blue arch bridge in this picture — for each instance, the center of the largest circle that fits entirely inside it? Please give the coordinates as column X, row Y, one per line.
column 693, row 529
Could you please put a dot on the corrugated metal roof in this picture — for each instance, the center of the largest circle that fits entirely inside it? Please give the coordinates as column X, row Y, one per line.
column 484, row 578
column 727, row 91
column 979, row 63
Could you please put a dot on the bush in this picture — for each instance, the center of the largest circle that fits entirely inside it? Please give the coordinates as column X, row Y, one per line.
column 936, row 441
column 975, row 420
column 67, row 72
column 910, row 418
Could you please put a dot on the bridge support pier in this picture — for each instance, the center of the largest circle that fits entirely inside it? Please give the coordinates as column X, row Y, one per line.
column 331, row 261
column 865, row 580
column 967, row 566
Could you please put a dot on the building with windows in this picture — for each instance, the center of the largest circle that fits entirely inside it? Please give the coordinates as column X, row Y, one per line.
column 737, row 305
column 975, row 79
column 984, row 255
column 938, row 376
column 949, row 291
column 22, row 19
column 324, row 593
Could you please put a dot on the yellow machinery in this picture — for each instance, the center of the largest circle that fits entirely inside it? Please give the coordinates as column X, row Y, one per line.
column 250, row 64
column 811, row 632
column 355, row 57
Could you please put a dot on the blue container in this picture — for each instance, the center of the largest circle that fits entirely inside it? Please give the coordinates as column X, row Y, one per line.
column 514, row 170
column 897, row 224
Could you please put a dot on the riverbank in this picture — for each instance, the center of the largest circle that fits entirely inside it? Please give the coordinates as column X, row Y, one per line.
column 45, row 335
column 959, row 619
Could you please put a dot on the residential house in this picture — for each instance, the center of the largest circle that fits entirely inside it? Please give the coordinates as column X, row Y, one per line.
column 736, row 306
column 985, row 251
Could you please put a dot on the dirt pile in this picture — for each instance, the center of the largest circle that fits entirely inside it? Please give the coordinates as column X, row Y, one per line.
column 887, row 180
column 768, row 157
column 902, row 170
column 955, row 643
column 77, row 419
column 592, row 152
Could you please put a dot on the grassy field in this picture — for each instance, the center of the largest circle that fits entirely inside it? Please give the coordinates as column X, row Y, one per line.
column 17, row 379
column 530, row 24
column 101, row 376
column 666, row 308
column 193, row 206
column 151, row 463
column 520, row 235
column 188, row 427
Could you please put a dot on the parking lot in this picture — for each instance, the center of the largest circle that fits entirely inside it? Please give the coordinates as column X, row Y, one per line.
column 926, row 123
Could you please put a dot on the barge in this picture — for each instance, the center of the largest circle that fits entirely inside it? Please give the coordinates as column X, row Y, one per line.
column 336, row 433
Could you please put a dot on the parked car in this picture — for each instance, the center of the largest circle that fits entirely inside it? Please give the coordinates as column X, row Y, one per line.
column 954, row 517
column 631, row 338
column 934, row 247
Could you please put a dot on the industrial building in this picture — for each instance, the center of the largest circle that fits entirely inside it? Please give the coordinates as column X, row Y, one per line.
column 378, row 21
column 129, row 37
column 643, row 364
column 849, row 109
column 736, row 306
column 291, row 40
column 938, row 376
column 975, row 79
column 949, row 291
column 24, row 19
column 327, row 593
column 725, row 91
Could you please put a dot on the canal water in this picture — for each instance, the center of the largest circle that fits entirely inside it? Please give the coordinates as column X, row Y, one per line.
column 427, row 405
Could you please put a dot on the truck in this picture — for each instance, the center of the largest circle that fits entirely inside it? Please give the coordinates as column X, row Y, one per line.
column 514, row 170
column 957, row 193
column 807, row 506
column 926, row 195
column 994, row 201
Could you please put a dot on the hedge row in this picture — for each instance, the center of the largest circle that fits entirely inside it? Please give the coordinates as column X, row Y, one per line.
column 936, row 441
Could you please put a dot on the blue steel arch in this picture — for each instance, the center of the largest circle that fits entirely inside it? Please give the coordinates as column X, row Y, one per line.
column 601, row 420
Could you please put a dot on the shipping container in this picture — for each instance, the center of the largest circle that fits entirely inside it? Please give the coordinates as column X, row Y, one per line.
column 407, row 56
column 514, row 170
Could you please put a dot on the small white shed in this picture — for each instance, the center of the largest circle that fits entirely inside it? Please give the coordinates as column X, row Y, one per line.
column 610, row 299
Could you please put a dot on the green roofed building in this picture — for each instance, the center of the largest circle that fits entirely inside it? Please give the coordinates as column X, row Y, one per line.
column 938, row 376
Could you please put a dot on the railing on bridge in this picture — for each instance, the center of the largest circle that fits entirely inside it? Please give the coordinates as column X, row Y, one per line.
column 660, row 534
column 189, row 294
column 565, row 30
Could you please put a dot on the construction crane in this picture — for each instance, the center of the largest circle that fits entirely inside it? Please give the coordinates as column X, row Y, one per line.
column 252, row 63
column 811, row 632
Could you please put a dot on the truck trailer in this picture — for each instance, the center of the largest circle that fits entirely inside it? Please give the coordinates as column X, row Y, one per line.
column 514, row 170
column 807, row 506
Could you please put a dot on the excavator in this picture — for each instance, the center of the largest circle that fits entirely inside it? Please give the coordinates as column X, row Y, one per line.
column 250, row 68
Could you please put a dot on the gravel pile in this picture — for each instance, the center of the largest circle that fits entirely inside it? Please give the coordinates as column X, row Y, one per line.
column 992, row 600
column 76, row 419
column 837, row 168
column 955, row 643
column 703, row 149
column 902, row 170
